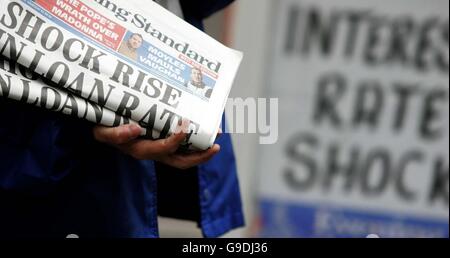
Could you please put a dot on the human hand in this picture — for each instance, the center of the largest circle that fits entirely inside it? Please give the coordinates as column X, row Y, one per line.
column 125, row 139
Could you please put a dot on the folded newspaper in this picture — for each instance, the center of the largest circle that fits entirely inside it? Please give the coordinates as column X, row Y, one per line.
column 115, row 62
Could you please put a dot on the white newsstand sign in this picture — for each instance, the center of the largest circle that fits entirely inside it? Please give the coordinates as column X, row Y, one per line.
column 364, row 124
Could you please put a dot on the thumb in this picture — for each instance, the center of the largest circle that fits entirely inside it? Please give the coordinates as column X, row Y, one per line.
column 117, row 135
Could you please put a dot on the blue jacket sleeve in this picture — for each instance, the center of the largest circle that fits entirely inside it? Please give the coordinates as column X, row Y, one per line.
column 196, row 10
column 36, row 147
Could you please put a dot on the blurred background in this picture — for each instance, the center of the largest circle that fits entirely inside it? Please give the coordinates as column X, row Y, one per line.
column 363, row 89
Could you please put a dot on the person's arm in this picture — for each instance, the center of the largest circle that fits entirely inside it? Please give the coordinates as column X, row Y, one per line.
column 200, row 9
column 165, row 151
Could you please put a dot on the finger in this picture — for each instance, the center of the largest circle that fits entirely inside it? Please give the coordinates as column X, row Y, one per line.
column 192, row 160
column 171, row 144
column 117, row 135
column 183, row 126
column 149, row 149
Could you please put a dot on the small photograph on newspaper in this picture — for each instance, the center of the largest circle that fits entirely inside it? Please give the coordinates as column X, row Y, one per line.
column 181, row 71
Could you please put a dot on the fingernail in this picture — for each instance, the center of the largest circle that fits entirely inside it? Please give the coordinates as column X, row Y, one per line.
column 187, row 124
column 186, row 121
column 133, row 131
column 183, row 126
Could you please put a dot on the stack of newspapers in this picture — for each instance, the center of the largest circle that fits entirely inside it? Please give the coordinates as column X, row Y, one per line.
column 116, row 62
